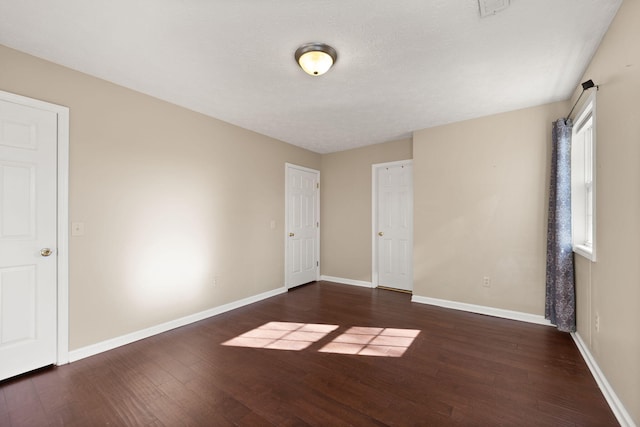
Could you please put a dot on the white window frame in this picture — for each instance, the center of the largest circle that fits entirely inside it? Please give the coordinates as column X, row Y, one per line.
column 583, row 180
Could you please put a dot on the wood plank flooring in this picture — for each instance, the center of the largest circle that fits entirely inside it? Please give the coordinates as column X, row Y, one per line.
column 461, row 369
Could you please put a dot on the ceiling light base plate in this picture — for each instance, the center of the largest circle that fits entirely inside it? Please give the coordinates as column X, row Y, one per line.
column 491, row 7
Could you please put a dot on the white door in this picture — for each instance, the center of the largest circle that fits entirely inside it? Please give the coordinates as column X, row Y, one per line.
column 302, row 225
column 393, row 225
column 28, row 222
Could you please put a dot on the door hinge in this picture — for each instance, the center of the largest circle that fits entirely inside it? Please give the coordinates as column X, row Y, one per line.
column 318, row 224
column 317, row 263
column 317, row 185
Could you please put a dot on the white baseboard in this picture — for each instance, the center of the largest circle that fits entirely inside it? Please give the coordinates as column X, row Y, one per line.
column 110, row 344
column 347, row 281
column 612, row 399
column 481, row 309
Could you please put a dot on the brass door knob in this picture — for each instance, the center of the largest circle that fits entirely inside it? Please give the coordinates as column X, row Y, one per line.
column 380, row 233
column 45, row 251
column 291, row 234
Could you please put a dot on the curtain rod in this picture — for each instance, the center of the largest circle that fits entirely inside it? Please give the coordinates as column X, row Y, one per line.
column 586, row 85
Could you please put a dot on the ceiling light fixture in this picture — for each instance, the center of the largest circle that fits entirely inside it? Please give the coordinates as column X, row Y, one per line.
column 316, row 58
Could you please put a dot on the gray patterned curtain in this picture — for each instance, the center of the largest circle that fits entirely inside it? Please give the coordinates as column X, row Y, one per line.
column 560, row 305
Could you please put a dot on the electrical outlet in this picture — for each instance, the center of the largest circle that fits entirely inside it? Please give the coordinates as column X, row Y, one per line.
column 597, row 323
column 214, row 281
column 486, row 281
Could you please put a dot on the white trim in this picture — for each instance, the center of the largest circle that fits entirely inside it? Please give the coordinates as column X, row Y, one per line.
column 624, row 418
column 63, row 236
column 481, row 309
column 585, row 251
column 374, row 215
column 343, row 281
column 103, row 346
column 288, row 166
column 396, row 163
column 588, row 108
column 374, row 224
column 62, row 332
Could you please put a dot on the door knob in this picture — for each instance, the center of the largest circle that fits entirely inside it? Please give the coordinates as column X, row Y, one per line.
column 291, row 234
column 380, row 233
column 45, row 251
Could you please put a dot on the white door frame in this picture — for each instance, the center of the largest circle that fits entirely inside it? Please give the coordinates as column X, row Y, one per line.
column 288, row 166
column 374, row 215
column 62, row 351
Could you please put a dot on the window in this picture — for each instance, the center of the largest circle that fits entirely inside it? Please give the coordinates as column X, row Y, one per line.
column 583, row 180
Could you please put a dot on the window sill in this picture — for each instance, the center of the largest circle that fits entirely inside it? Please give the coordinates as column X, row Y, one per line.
column 585, row 251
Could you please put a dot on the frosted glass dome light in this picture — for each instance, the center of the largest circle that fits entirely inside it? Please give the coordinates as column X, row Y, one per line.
column 316, row 58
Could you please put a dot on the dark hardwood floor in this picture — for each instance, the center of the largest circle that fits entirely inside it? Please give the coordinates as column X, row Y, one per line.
column 460, row 369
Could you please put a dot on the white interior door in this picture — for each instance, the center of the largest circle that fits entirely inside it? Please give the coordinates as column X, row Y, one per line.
column 302, row 225
column 393, row 225
column 28, row 241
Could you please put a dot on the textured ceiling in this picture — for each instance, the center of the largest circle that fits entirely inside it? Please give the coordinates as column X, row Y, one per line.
column 402, row 65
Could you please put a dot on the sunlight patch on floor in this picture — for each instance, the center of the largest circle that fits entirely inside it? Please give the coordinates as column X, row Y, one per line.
column 387, row 342
column 282, row 336
column 364, row 341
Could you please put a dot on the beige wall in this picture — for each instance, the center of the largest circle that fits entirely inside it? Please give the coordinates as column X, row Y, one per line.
column 480, row 195
column 610, row 287
column 171, row 200
column 346, row 207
